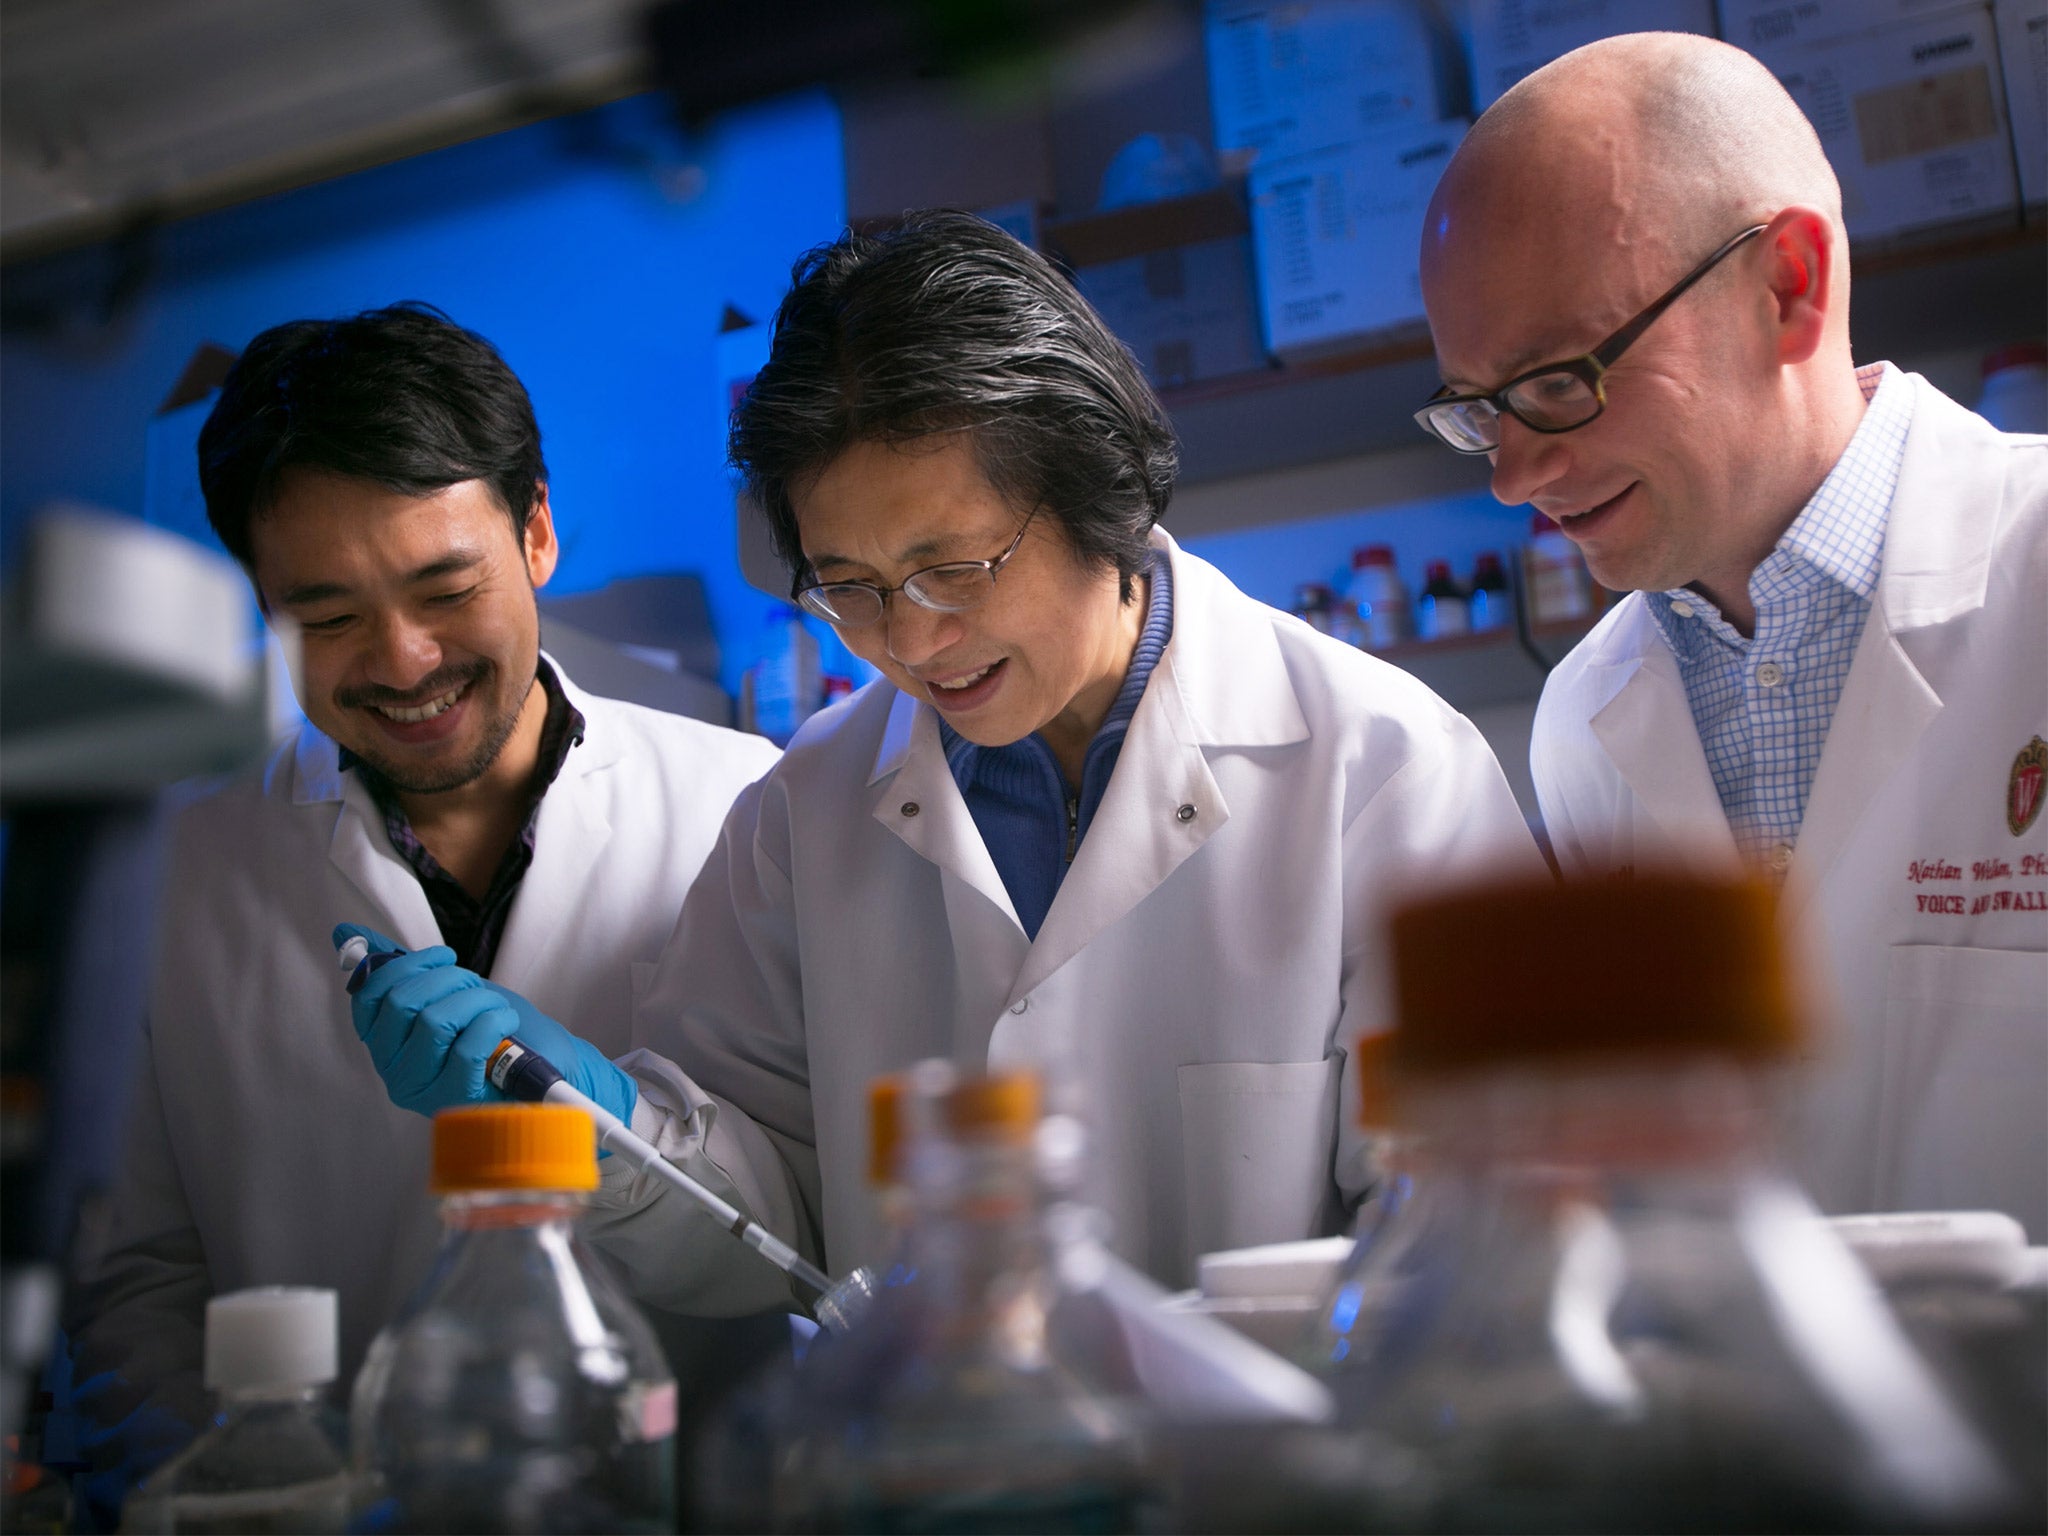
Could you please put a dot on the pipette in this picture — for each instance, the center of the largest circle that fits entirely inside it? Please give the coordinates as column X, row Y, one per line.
column 519, row 1072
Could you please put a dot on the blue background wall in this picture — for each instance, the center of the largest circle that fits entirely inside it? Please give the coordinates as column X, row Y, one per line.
column 589, row 249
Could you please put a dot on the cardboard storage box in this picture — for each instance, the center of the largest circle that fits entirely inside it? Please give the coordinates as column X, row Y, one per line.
column 2023, row 58
column 1339, row 233
column 1754, row 24
column 1912, row 116
column 1290, row 76
column 1173, row 279
column 1512, row 38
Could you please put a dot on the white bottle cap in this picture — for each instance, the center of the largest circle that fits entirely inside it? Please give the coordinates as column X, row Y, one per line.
column 273, row 1336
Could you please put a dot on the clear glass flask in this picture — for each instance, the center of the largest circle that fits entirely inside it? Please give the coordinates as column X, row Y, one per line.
column 519, row 1390
column 1620, row 1314
column 957, row 1404
column 273, row 1460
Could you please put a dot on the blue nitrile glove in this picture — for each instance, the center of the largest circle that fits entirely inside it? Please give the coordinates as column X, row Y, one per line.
column 581, row 1063
column 429, row 1024
column 587, row 1068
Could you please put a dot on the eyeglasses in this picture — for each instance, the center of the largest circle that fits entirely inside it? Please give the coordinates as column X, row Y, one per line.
column 953, row 587
column 1557, row 397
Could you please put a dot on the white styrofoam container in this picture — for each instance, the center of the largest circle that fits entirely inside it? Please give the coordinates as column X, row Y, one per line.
column 1912, row 116
column 1512, row 38
column 1756, row 24
column 1338, row 235
column 2023, row 57
column 1290, row 76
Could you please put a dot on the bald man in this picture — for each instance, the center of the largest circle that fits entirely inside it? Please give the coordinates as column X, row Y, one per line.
column 1833, row 667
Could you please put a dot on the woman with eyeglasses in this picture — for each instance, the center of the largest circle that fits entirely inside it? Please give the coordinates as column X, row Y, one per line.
column 1103, row 815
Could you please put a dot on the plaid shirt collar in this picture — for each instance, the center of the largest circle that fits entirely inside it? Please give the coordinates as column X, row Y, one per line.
column 1839, row 533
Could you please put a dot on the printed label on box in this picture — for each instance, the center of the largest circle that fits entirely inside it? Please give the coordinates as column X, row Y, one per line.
column 1512, row 39
column 1912, row 117
column 1338, row 236
column 1289, row 78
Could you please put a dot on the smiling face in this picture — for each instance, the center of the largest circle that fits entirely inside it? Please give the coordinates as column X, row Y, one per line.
column 1049, row 649
column 420, row 636
column 1653, row 490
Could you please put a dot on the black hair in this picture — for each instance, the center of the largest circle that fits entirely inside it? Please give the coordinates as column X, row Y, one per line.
column 402, row 396
column 947, row 324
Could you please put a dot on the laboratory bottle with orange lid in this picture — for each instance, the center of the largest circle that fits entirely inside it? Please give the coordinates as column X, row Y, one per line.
column 956, row 1403
column 1385, row 1234
column 519, row 1389
column 1621, row 1314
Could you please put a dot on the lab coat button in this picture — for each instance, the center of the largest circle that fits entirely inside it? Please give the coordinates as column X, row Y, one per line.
column 1186, row 813
column 1770, row 674
column 1020, row 1005
column 910, row 807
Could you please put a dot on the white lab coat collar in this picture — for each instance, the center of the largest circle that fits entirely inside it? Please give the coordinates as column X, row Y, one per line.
column 1937, row 557
column 1220, row 683
column 1221, row 663
column 1937, row 564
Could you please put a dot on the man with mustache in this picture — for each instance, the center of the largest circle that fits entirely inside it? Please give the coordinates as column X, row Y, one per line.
column 380, row 478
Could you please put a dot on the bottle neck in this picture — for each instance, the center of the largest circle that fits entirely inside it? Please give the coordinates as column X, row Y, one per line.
column 1693, row 1113
column 976, row 1222
column 240, row 1400
column 490, row 1210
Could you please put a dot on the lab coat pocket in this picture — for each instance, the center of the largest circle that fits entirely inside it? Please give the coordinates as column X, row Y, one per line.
column 1257, row 1139
column 1966, row 1051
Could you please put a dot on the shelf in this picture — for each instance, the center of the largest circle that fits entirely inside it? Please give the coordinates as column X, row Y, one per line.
column 1979, row 290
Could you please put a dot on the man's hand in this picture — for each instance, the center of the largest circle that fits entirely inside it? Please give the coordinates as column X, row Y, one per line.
column 430, row 1026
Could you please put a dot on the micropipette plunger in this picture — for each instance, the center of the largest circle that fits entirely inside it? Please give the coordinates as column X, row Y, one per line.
column 520, row 1072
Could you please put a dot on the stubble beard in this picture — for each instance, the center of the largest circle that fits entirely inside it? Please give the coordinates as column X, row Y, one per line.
column 497, row 731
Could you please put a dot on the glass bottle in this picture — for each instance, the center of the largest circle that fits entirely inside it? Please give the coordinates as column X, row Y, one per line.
column 1491, row 603
column 958, row 1403
column 519, row 1389
column 1378, row 599
column 273, row 1460
column 1620, row 1315
column 1384, row 1235
column 1442, row 610
column 1316, row 606
column 1554, row 576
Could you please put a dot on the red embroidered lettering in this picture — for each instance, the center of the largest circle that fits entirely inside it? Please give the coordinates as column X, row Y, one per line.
column 1922, row 870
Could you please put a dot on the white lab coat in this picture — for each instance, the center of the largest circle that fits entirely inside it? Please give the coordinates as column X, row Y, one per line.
column 262, row 1146
column 1930, row 1083
column 1194, row 989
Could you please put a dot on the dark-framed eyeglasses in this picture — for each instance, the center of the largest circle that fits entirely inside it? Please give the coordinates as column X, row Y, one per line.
column 1557, row 397
column 953, row 587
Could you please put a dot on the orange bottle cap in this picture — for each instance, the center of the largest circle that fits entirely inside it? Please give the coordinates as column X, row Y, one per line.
column 1001, row 1106
column 885, row 1128
column 483, row 1147
column 933, row 1095
column 1375, row 1084
column 1535, row 971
